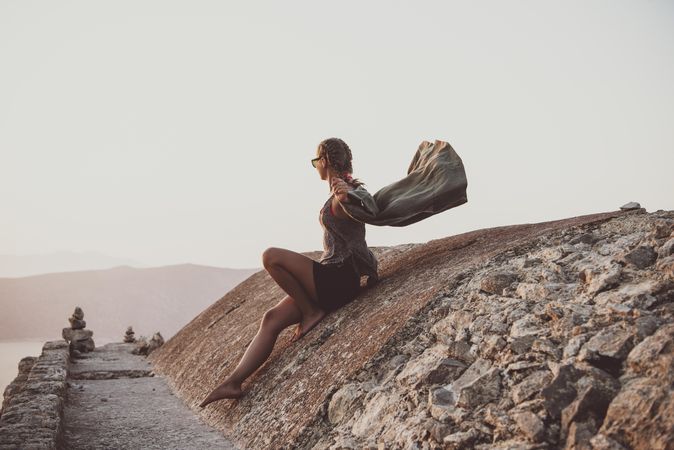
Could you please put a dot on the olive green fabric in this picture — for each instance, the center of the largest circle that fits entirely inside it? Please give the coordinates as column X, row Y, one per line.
column 435, row 182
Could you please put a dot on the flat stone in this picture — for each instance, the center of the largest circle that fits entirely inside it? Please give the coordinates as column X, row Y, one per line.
column 585, row 238
column 561, row 391
column 574, row 345
column 630, row 205
column 608, row 348
column 528, row 325
column 77, row 324
column 76, row 335
column 654, row 356
column 431, row 367
column 530, row 424
column 479, row 384
column 125, row 412
column 546, row 346
column 495, row 283
column 460, row 440
column 521, row 365
column 642, row 256
column 599, row 281
column 530, row 385
column 522, row 344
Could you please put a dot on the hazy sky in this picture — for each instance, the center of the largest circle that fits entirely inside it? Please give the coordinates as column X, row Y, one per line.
column 171, row 132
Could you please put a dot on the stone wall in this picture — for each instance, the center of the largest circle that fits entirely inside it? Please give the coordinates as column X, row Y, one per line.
column 32, row 409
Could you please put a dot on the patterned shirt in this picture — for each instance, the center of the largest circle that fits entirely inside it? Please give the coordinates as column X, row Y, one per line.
column 344, row 237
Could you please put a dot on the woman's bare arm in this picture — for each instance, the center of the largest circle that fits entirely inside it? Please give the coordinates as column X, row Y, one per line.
column 339, row 188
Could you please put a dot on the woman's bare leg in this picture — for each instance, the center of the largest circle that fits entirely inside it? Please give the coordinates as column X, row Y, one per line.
column 294, row 272
column 284, row 314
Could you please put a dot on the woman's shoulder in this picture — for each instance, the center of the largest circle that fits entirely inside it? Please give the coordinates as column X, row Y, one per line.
column 339, row 212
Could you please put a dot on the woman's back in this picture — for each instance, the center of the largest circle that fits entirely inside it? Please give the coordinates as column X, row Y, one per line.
column 344, row 237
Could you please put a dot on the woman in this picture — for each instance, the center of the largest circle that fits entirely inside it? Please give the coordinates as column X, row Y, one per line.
column 314, row 288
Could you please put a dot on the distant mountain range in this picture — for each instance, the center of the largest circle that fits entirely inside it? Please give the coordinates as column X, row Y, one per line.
column 26, row 265
column 149, row 299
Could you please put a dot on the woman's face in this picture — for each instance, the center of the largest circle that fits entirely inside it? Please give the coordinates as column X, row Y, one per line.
column 322, row 166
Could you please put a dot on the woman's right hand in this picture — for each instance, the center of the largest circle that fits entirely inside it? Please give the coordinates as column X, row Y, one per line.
column 340, row 189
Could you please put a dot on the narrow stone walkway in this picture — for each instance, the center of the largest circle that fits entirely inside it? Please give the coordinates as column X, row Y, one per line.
column 115, row 401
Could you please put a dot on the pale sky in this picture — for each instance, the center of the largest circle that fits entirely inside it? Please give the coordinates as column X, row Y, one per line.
column 171, row 132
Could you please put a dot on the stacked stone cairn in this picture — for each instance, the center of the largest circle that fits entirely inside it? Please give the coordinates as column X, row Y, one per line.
column 145, row 346
column 129, row 335
column 79, row 338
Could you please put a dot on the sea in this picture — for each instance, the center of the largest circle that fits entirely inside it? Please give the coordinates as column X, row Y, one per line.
column 11, row 353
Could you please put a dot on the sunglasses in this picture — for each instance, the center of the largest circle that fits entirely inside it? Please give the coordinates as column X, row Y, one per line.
column 315, row 160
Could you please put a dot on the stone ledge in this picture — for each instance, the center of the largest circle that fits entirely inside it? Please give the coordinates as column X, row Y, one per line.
column 32, row 410
column 111, row 374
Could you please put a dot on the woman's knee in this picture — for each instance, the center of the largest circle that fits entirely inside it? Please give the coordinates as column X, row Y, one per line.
column 284, row 314
column 270, row 256
column 272, row 319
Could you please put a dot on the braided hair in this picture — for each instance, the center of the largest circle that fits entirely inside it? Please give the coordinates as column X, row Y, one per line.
column 338, row 155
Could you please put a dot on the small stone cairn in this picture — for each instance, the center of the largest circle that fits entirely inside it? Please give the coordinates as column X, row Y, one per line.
column 129, row 335
column 80, row 339
column 145, row 346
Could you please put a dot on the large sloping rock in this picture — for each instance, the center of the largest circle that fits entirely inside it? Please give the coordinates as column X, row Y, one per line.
column 286, row 401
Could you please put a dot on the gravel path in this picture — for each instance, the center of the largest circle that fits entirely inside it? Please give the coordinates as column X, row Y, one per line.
column 114, row 400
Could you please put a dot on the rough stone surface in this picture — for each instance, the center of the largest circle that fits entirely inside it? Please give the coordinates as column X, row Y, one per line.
column 129, row 407
column 391, row 344
column 109, row 398
column 642, row 414
column 32, row 409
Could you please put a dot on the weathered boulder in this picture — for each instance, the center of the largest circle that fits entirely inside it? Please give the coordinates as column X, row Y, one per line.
column 446, row 353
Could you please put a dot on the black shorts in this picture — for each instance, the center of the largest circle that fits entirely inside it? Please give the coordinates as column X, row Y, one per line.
column 336, row 284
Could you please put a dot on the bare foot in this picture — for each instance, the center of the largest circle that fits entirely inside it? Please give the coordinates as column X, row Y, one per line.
column 225, row 390
column 307, row 323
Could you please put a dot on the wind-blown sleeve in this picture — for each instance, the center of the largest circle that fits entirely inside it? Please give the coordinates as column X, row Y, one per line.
column 436, row 181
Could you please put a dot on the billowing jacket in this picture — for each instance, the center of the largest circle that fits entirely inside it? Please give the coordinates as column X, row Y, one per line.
column 435, row 181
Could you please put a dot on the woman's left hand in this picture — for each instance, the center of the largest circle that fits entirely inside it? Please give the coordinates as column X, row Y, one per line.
column 340, row 188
